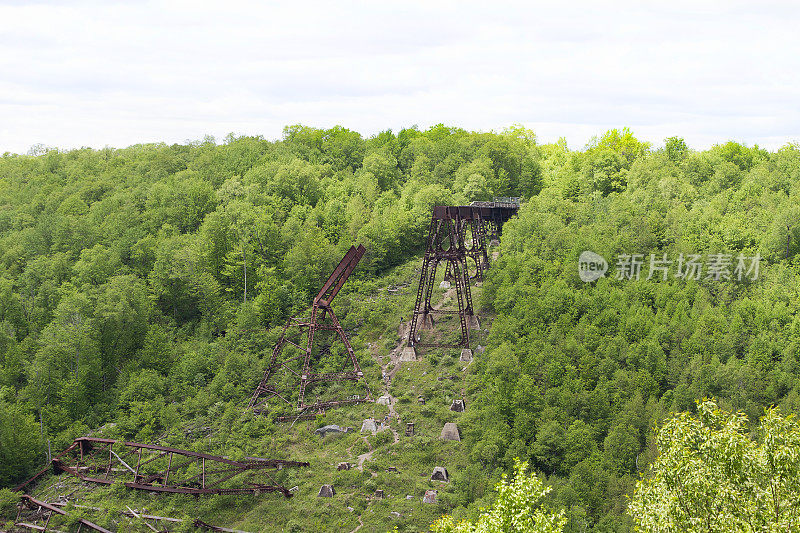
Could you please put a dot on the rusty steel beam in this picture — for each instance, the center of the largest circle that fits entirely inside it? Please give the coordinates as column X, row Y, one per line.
column 40, row 510
column 163, row 468
column 156, row 519
column 299, row 336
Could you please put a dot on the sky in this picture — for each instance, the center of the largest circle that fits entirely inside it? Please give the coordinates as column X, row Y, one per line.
column 117, row 73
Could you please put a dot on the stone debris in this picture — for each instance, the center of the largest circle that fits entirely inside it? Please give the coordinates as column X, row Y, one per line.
column 326, row 491
column 458, row 406
column 450, row 432
column 421, row 399
column 344, row 466
column 379, row 493
column 430, row 496
column 408, row 355
column 480, row 349
column 440, row 474
column 395, row 514
column 383, row 400
column 333, row 428
column 350, row 509
column 444, row 285
column 466, row 355
column 369, row 425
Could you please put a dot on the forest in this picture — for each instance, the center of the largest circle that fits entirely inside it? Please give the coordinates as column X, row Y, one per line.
column 142, row 288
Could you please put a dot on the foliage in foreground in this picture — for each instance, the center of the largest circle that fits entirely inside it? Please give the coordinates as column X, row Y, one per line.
column 517, row 508
column 712, row 476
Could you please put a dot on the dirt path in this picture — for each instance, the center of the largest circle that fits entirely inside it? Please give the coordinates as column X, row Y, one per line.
column 364, row 456
column 360, row 525
column 394, row 357
column 394, row 360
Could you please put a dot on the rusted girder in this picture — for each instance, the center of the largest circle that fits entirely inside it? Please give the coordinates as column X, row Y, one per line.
column 293, row 371
column 157, row 521
column 456, row 234
column 30, row 511
column 162, row 468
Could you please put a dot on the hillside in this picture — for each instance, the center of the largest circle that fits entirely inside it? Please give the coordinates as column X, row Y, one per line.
column 144, row 288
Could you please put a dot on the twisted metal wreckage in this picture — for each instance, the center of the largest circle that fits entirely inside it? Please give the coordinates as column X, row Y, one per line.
column 157, row 469
column 162, row 468
column 36, row 515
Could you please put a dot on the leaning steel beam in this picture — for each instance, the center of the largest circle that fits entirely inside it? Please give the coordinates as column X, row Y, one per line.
column 295, row 370
column 164, row 469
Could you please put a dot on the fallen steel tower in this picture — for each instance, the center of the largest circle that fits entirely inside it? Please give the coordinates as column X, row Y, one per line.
column 162, row 468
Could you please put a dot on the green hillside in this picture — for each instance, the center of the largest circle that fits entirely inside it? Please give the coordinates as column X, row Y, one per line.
column 142, row 291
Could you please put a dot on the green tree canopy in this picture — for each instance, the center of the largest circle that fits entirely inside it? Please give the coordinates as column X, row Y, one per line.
column 518, row 508
column 712, row 475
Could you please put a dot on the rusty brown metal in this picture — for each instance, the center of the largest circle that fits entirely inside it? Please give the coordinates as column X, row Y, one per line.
column 158, row 522
column 445, row 243
column 294, row 371
column 456, row 234
column 30, row 511
column 164, row 469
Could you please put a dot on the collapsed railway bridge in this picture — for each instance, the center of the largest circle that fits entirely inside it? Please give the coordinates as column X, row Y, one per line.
column 457, row 236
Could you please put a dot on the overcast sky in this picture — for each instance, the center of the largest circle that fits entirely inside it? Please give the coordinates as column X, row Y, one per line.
column 119, row 73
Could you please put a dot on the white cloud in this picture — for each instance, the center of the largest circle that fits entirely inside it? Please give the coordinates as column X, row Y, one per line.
column 99, row 73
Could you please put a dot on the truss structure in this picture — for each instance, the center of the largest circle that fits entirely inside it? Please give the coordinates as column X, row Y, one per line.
column 301, row 349
column 457, row 238
column 165, row 469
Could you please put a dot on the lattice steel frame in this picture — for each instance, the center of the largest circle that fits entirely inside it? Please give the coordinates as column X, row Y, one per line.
column 322, row 318
column 447, row 243
column 162, row 468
